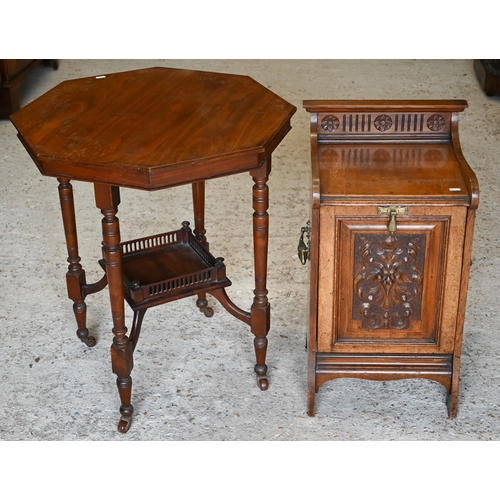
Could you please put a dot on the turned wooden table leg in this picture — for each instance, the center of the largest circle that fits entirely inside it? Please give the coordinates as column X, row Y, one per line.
column 75, row 277
column 198, row 189
column 107, row 200
column 260, row 312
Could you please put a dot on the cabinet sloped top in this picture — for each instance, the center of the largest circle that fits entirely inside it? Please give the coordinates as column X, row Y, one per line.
column 390, row 170
column 154, row 127
column 365, row 149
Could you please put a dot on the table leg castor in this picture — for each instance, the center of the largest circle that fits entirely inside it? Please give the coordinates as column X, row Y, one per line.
column 202, row 304
column 262, row 382
column 124, row 424
column 207, row 311
column 87, row 339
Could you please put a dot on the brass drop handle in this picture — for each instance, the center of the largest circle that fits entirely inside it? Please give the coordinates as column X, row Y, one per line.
column 304, row 250
column 393, row 212
column 392, row 222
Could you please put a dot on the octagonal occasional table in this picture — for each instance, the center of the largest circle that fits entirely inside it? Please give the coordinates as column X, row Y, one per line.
column 152, row 129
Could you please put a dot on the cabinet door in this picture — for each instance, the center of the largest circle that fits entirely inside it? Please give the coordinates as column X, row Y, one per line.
column 391, row 293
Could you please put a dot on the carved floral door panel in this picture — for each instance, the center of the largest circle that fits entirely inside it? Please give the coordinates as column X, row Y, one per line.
column 389, row 292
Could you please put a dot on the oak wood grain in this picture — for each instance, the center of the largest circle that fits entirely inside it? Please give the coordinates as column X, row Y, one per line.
column 388, row 305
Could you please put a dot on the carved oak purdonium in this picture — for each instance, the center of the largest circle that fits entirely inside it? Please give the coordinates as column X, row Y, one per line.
column 393, row 209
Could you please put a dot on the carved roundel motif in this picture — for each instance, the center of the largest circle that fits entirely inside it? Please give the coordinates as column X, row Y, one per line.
column 330, row 123
column 436, row 123
column 383, row 123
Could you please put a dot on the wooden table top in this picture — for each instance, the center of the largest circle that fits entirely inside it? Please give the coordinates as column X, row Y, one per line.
column 153, row 128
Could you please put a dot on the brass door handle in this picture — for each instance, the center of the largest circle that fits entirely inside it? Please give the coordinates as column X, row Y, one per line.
column 393, row 212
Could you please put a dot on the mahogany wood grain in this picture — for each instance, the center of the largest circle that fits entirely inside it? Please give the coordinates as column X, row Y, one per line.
column 75, row 277
column 261, row 309
column 198, row 190
column 107, row 200
column 153, row 129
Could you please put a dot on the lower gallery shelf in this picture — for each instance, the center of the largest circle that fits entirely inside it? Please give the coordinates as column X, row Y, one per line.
column 168, row 266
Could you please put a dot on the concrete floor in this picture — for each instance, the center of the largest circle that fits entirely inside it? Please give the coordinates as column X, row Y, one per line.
column 193, row 377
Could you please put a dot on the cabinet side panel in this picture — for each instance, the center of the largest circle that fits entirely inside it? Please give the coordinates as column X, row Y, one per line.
column 313, row 285
column 326, row 279
column 453, row 276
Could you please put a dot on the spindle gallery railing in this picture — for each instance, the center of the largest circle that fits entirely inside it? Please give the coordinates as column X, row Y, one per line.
column 212, row 272
column 180, row 282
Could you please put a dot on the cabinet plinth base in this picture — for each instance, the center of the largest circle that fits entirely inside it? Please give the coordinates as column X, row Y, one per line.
column 329, row 366
column 386, row 367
